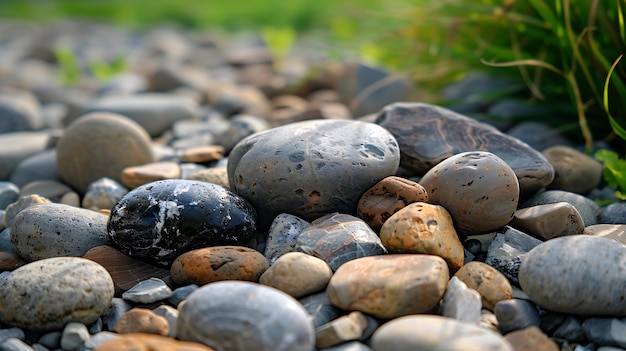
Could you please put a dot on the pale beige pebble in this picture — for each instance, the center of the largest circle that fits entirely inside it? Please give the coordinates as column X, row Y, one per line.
column 488, row 320
column 346, row 328
column 531, row 339
column 549, row 221
column 573, row 170
column 149, row 342
column 389, row 286
column 297, row 274
column 141, row 320
column 492, row 285
column 135, row 176
column 615, row 232
column 423, row 228
column 217, row 175
column 50, row 189
column 71, row 199
column 22, row 203
column 202, row 154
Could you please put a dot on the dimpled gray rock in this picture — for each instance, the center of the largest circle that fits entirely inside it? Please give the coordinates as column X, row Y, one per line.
column 100, row 145
column 237, row 315
column 47, row 294
column 479, row 190
column 311, row 168
column 588, row 210
column 580, row 274
column 428, row 134
column 52, row 230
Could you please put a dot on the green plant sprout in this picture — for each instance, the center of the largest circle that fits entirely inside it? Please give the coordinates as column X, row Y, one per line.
column 614, row 171
column 103, row 71
column 69, row 71
column 279, row 41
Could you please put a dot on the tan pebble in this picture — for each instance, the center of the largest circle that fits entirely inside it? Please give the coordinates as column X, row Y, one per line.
column 202, row 154
column 387, row 197
column 297, row 274
column 136, row 176
column 615, row 232
column 218, row 175
column 425, row 229
column 492, row 285
column 211, row 264
column 71, row 199
column 141, row 320
column 149, row 342
column 531, row 339
column 549, row 221
column 346, row 328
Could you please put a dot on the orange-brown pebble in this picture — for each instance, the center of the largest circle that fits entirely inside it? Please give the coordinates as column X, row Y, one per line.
column 202, row 154
column 492, row 285
column 149, row 342
column 136, row 176
column 531, row 339
column 211, row 264
column 141, row 320
column 9, row 261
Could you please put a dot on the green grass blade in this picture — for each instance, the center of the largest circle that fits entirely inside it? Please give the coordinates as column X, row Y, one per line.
column 617, row 128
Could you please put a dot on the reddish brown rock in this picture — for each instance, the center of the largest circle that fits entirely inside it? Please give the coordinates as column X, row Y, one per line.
column 149, row 342
column 135, row 176
column 492, row 285
column 387, row 197
column 9, row 261
column 531, row 339
column 141, row 320
column 202, row 154
column 212, row 264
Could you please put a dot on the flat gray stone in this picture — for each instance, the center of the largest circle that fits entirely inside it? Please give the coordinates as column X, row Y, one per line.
column 606, row 331
column 506, row 250
column 148, row 291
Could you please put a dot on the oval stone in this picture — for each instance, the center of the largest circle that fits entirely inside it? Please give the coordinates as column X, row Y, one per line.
column 100, row 145
column 52, row 230
column 488, row 281
column 579, row 274
column 47, row 294
column 161, row 220
column 245, row 316
column 478, row 188
column 145, row 342
column 312, row 168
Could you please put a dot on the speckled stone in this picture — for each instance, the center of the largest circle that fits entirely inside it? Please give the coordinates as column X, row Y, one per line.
column 389, row 286
column 311, row 168
column 212, row 264
column 573, row 170
column 492, row 285
column 428, row 134
column 161, row 220
column 103, row 193
column 387, row 197
column 479, row 190
column 69, row 289
column 245, row 316
column 549, row 221
column 149, row 342
column 426, row 333
column 338, row 238
column 424, row 229
column 141, row 320
column 53, row 230
column 21, row 204
column 587, row 209
column 100, row 145
column 282, row 236
column 561, row 275
column 297, row 274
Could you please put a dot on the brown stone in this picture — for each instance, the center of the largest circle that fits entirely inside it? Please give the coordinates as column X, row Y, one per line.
column 149, row 342
column 297, row 274
column 141, row 320
column 125, row 271
column 573, row 170
column 615, row 232
column 217, row 175
column 211, row 264
column 389, row 286
column 425, row 229
column 387, row 197
column 531, row 339
column 549, row 221
column 9, row 261
column 492, row 285
column 135, row 176
column 202, row 154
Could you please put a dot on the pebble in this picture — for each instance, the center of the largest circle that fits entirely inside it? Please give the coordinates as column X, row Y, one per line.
column 118, row 141
column 606, row 331
column 346, row 328
column 51, row 340
column 148, row 291
column 423, row 332
column 587, row 209
column 9, row 193
column 549, row 221
column 141, row 320
column 571, row 329
column 423, row 228
column 561, row 275
column 53, row 230
column 492, row 285
column 506, row 249
column 149, row 342
column 103, row 193
column 53, row 190
column 460, row 302
column 11, row 333
column 387, row 197
column 73, row 336
column 220, row 315
column 516, row 314
column 180, row 294
column 297, row 274
column 212, row 264
column 38, row 166
column 311, row 168
column 135, row 176
column 349, row 346
column 13, row 344
column 282, row 236
column 428, row 134
column 573, row 170
column 479, row 190
column 338, row 238
column 69, row 289
column 117, row 308
column 20, row 111
column 531, row 339
column 21, row 204
column 216, row 175
column 614, row 213
column 171, row 316
column 319, row 308
column 16, row 147
column 615, row 232
column 159, row 221
column 389, row 286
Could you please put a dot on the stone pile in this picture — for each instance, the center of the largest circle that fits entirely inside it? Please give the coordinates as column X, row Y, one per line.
column 202, row 200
